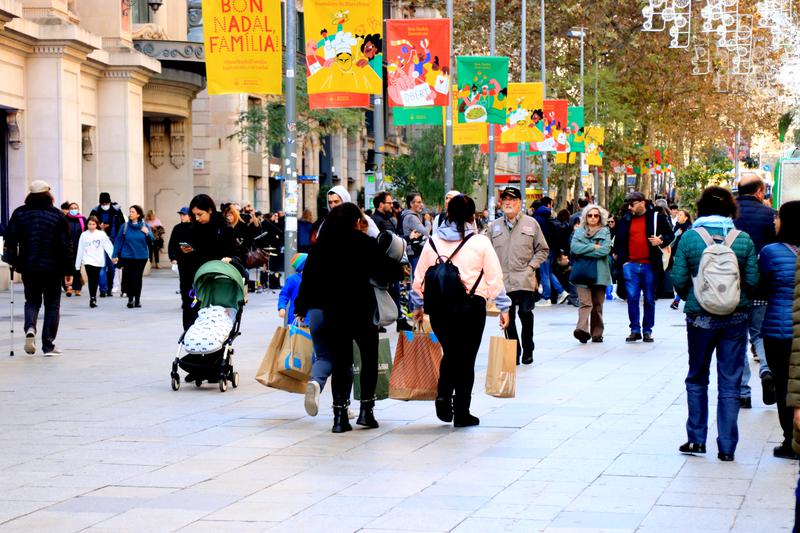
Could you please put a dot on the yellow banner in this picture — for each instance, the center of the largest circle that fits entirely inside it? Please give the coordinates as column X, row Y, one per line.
column 562, row 159
column 523, row 112
column 243, row 46
column 467, row 133
column 344, row 46
column 595, row 137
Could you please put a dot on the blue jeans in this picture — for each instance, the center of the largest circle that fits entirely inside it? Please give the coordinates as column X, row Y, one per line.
column 730, row 345
column 549, row 280
column 639, row 278
column 754, row 329
column 322, row 368
column 107, row 276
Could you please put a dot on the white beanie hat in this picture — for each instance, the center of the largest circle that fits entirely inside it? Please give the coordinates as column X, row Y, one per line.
column 341, row 192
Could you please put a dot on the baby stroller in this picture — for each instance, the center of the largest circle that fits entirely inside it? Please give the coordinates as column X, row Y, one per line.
column 220, row 293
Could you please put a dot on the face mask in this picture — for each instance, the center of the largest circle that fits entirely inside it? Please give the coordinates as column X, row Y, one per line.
column 105, row 207
column 73, row 212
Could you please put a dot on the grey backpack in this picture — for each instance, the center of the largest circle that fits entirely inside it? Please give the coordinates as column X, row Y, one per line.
column 717, row 285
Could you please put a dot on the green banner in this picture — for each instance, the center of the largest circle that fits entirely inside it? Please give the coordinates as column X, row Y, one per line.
column 575, row 132
column 482, row 89
column 408, row 116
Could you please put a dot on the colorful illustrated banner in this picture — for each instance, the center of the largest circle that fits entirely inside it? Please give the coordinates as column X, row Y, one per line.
column 523, row 112
column 344, row 52
column 553, row 127
column 483, row 83
column 469, row 133
column 243, row 46
column 595, row 137
column 418, row 70
column 499, row 146
column 562, row 158
column 575, row 131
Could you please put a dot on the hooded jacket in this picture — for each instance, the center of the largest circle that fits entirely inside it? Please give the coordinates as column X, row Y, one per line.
column 544, row 216
column 521, row 251
column 477, row 255
column 413, row 221
column 112, row 216
column 690, row 251
column 292, row 287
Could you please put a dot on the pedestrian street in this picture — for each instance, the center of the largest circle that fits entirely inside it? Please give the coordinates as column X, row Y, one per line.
column 96, row 440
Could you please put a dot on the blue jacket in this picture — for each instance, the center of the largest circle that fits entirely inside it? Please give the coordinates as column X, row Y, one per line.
column 777, row 266
column 757, row 220
column 132, row 243
column 544, row 216
column 290, row 290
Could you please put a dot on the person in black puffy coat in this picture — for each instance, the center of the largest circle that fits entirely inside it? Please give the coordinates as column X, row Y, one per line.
column 38, row 245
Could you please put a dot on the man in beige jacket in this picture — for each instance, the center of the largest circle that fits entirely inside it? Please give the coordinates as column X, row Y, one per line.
column 521, row 247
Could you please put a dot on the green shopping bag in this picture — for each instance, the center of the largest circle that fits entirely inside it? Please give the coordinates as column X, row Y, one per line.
column 384, row 370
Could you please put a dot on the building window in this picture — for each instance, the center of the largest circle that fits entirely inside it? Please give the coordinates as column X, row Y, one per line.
column 141, row 11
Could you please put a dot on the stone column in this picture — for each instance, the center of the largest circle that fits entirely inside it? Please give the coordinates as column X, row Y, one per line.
column 119, row 135
column 54, row 151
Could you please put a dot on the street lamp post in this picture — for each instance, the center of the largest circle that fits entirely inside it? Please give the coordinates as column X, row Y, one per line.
column 490, row 182
column 290, row 146
column 580, row 33
column 448, row 126
column 523, row 151
column 544, row 93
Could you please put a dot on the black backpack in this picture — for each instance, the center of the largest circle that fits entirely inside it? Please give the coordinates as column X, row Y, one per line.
column 444, row 292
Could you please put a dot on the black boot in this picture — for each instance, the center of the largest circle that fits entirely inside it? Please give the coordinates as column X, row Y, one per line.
column 340, row 421
column 130, row 302
column 444, row 408
column 136, row 302
column 366, row 417
column 461, row 416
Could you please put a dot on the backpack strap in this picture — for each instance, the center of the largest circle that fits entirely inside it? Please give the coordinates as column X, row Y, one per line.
column 461, row 245
column 732, row 234
column 475, row 286
column 705, row 235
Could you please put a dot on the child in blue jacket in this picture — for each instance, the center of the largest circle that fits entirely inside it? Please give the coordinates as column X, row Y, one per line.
column 291, row 287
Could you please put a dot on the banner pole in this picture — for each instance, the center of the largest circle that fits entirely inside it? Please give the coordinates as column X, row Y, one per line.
column 523, row 149
column 490, row 186
column 448, row 147
column 290, row 145
column 544, row 97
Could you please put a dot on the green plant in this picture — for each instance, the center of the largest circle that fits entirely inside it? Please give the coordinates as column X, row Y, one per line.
column 690, row 181
column 783, row 124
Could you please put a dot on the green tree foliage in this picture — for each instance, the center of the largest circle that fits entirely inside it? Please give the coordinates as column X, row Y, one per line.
column 423, row 169
column 715, row 169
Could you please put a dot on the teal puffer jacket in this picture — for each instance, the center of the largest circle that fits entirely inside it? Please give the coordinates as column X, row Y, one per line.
column 584, row 246
column 687, row 261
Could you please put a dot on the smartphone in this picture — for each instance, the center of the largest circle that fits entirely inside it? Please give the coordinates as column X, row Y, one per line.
column 184, row 245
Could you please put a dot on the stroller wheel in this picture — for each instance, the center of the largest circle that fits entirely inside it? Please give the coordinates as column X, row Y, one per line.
column 223, row 385
column 235, row 380
column 198, row 383
column 176, row 382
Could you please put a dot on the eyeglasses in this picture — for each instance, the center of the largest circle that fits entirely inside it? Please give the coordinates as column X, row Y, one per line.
column 592, row 215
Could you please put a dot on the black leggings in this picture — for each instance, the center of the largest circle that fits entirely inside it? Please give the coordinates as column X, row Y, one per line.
column 460, row 336
column 93, row 273
column 778, row 352
column 340, row 338
column 132, row 277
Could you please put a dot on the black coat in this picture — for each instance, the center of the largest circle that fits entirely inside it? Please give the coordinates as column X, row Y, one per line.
column 77, row 225
column 210, row 241
column 337, row 276
column 113, row 217
column 621, row 242
column 38, row 240
column 385, row 222
column 757, row 220
column 180, row 233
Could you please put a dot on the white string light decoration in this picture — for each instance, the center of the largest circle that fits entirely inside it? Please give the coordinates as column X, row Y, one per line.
column 676, row 13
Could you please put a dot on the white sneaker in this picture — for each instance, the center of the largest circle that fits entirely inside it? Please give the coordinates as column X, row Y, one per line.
column 55, row 352
column 30, row 342
column 563, row 297
column 312, row 398
column 543, row 303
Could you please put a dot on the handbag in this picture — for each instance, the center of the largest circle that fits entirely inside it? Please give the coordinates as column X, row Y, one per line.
column 584, row 271
column 256, row 258
column 666, row 252
column 385, row 307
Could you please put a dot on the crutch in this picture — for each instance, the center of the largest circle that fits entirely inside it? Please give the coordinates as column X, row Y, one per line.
column 11, row 293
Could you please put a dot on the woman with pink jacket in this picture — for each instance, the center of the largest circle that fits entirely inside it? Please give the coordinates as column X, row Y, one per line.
column 459, row 328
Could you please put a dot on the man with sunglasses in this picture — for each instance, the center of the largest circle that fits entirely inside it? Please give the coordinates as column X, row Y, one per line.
column 637, row 249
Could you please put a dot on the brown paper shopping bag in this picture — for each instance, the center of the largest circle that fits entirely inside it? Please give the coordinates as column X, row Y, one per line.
column 501, row 370
column 415, row 372
column 268, row 374
column 297, row 354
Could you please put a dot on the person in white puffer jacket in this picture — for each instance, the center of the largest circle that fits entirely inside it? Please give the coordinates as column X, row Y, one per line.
column 93, row 245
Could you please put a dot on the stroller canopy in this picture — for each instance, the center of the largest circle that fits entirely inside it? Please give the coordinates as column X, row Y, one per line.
column 219, row 283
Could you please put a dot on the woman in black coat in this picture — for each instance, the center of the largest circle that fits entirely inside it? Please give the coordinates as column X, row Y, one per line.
column 336, row 288
column 208, row 238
